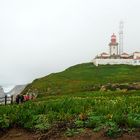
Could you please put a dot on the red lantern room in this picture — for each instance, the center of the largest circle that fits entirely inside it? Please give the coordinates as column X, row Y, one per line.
column 113, row 38
column 113, row 46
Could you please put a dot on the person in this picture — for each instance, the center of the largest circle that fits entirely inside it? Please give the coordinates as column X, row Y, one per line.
column 21, row 98
column 17, row 99
column 26, row 97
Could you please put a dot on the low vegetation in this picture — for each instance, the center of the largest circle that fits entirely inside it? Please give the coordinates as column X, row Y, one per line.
column 67, row 102
column 84, row 77
column 116, row 112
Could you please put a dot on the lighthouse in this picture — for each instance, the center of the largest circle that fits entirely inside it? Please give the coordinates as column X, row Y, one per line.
column 113, row 46
column 116, row 56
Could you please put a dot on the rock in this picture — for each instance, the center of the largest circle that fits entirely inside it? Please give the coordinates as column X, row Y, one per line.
column 136, row 86
column 16, row 90
column 2, row 95
column 103, row 88
column 124, row 90
column 118, row 89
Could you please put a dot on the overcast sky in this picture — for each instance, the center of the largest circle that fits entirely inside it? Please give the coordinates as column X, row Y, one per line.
column 38, row 37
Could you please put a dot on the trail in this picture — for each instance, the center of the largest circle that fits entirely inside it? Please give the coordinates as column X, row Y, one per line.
column 21, row 134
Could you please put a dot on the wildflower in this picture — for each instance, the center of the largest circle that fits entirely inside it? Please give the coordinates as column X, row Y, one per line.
column 109, row 116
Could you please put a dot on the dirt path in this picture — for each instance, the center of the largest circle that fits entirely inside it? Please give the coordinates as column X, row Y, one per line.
column 20, row 134
column 90, row 135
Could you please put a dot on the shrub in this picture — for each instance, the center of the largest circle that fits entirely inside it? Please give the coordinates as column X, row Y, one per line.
column 4, row 121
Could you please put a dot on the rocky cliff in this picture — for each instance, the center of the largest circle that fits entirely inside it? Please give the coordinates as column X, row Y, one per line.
column 16, row 90
column 2, row 94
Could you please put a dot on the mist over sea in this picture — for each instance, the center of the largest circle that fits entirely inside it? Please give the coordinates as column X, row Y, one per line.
column 8, row 88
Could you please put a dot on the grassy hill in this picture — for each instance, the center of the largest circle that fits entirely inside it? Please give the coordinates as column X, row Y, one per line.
column 83, row 76
column 82, row 111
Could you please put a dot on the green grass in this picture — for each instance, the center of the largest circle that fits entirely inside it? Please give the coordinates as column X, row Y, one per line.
column 76, row 107
column 115, row 111
column 83, row 77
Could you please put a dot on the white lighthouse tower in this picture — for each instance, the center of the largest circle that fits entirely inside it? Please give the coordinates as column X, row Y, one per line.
column 113, row 46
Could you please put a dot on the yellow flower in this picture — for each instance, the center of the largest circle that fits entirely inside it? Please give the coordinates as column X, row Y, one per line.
column 109, row 116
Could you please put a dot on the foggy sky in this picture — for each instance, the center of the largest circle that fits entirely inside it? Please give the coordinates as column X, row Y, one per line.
column 38, row 37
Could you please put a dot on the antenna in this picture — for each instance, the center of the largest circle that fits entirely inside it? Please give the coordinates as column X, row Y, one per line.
column 121, row 37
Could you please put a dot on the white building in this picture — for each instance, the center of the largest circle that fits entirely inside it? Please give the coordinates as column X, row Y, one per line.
column 114, row 57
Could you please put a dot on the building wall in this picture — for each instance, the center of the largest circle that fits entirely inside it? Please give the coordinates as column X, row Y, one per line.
column 136, row 55
column 136, row 62
column 113, row 49
column 115, row 61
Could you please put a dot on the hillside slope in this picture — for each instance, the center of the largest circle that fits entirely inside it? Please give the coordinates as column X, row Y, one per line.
column 78, row 77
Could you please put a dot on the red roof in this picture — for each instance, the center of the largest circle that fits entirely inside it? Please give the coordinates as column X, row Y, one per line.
column 124, row 54
column 136, row 52
column 104, row 53
column 137, row 58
